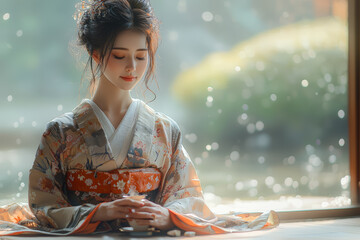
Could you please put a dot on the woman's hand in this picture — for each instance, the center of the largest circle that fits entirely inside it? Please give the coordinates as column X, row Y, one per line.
column 120, row 208
column 161, row 216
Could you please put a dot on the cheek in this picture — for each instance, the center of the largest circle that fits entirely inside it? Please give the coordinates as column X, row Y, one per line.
column 143, row 64
column 112, row 64
column 115, row 68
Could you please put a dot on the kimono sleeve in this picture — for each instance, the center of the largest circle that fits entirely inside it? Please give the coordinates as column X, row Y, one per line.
column 182, row 190
column 47, row 199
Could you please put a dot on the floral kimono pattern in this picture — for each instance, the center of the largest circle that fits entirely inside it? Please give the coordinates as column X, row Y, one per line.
column 74, row 146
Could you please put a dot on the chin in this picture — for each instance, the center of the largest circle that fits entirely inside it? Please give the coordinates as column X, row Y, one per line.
column 126, row 87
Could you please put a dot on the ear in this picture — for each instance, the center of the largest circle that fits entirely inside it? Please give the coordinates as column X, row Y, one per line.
column 96, row 57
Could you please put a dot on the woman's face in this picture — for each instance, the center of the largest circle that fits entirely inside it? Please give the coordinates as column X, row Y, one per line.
column 128, row 60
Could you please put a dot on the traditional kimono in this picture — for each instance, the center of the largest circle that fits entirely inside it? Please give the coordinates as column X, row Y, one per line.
column 83, row 161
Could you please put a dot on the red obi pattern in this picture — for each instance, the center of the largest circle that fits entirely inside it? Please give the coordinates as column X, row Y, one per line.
column 119, row 181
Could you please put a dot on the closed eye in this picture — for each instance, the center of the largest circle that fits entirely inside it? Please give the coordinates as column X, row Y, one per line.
column 124, row 57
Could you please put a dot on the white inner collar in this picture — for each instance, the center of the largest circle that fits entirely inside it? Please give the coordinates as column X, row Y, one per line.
column 119, row 138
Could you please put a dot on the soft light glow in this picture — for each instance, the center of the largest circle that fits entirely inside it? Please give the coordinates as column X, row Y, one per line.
column 6, row 16
column 19, row 33
column 304, row 83
column 234, row 155
column 269, row 180
column 341, row 113
column 261, row 159
column 259, row 125
column 207, row 16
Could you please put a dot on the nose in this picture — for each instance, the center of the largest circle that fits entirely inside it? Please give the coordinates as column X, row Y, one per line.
column 131, row 65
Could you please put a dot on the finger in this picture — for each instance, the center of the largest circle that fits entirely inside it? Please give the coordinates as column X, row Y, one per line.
column 128, row 202
column 127, row 209
column 148, row 209
column 149, row 203
column 122, row 215
column 132, row 216
column 142, row 215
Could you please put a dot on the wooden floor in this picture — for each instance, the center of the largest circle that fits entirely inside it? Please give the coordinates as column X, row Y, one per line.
column 348, row 229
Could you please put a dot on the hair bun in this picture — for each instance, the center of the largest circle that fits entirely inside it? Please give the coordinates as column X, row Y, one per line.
column 93, row 7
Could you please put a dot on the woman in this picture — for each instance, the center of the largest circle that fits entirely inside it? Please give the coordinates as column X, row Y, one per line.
column 112, row 146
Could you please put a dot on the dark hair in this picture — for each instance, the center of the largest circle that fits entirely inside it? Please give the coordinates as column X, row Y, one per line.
column 100, row 24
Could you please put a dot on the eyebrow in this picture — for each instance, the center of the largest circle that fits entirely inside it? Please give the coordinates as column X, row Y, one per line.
column 121, row 48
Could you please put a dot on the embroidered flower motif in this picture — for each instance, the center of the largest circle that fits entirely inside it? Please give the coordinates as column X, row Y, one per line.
column 185, row 194
column 81, row 177
column 71, row 177
column 83, row 147
column 137, row 152
column 33, row 195
column 157, row 179
column 88, row 182
column 39, row 153
column 93, row 194
column 148, row 186
column 120, row 185
column 140, row 144
column 69, row 183
column 158, row 132
column 45, row 184
column 69, row 138
column 84, row 196
column 115, row 177
column 55, row 144
column 17, row 219
column 82, row 130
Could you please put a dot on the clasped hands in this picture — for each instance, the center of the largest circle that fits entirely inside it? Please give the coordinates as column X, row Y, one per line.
column 144, row 212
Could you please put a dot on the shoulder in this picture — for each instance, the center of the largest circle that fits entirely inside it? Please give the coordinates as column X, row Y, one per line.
column 167, row 119
column 57, row 126
column 167, row 122
column 163, row 118
column 173, row 127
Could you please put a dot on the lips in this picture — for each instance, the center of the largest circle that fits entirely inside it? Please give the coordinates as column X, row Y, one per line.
column 128, row 79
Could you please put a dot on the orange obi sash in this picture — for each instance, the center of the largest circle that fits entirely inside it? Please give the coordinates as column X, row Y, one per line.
column 116, row 181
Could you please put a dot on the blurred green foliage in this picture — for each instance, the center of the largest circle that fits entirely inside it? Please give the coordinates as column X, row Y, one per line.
column 276, row 63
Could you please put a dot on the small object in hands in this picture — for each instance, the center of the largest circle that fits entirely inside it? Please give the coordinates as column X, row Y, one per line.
column 153, row 229
column 136, row 227
column 174, row 233
column 189, row 234
column 138, row 197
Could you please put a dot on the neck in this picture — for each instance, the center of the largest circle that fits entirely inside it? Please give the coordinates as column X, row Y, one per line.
column 111, row 99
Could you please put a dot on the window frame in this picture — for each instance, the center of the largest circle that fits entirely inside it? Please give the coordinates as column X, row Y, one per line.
column 354, row 98
column 354, row 128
